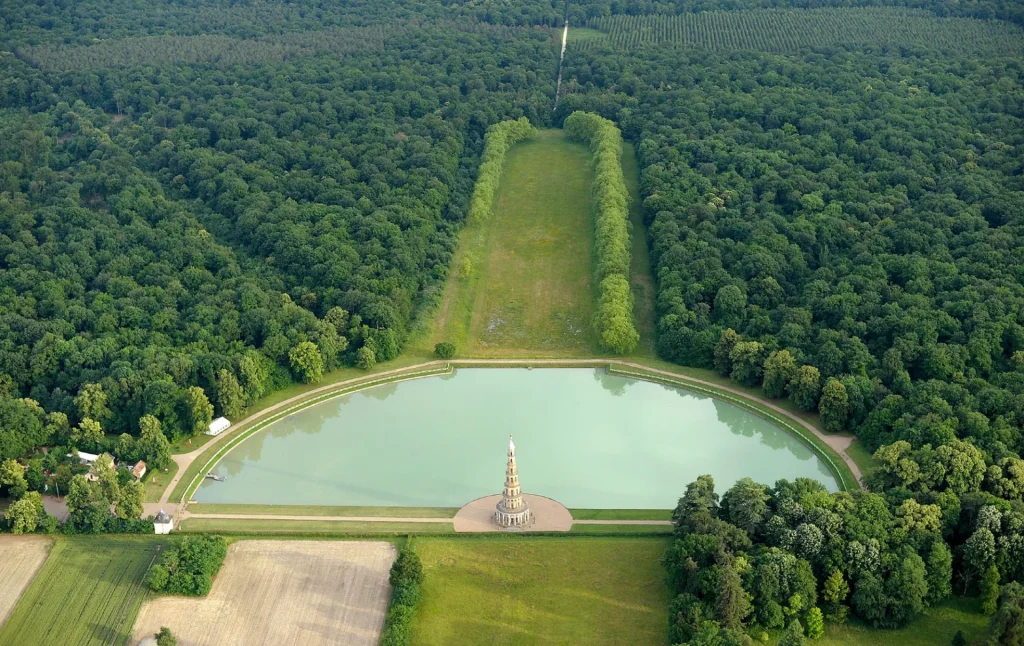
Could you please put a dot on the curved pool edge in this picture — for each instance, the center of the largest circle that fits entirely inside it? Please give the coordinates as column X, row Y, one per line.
column 259, row 420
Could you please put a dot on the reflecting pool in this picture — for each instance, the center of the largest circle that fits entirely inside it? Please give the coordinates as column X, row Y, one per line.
column 583, row 437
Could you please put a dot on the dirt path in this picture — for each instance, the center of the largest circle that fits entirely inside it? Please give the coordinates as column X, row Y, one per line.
column 839, row 443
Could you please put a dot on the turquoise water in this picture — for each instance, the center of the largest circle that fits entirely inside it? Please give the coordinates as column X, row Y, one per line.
column 583, row 437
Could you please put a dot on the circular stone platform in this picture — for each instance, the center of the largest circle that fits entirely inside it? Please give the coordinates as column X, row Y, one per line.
column 549, row 515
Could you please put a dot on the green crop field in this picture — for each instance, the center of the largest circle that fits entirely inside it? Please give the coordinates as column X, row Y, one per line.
column 88, row 592
column 529, row 290
column 935, row 627
column 542, row 591
column 789, row 30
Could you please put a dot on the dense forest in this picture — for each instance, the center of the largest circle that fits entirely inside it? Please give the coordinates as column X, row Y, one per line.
column 202, row 202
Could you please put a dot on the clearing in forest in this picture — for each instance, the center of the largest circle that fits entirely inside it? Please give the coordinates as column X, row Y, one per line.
column 20, row 559
column 284, row 592
column 522, row 281
column 88, row 592
column 581, row 590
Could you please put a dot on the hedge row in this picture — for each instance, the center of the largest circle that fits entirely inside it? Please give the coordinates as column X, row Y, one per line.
column 406, row 577
column 499, row 138
column 614, row 319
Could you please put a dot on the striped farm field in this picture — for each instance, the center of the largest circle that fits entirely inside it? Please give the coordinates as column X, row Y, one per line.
column 789, row 30
column 88, row 592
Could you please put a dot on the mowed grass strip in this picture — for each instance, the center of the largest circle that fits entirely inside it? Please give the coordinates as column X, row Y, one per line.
column 281, row 526
column 322, row 510
column 542, row 590
column 621, row 514
column 88, row 592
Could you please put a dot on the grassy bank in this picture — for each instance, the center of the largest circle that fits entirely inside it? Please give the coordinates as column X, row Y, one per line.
column 322, row 510
column 280, row 526
column 506, row 590
column 621, row 514
column 934, row 627
column 88, row 592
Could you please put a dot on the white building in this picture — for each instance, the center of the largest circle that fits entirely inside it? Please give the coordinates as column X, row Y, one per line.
column 512, row 511
column 163, row 523
column 86, row 458
column 218, row 426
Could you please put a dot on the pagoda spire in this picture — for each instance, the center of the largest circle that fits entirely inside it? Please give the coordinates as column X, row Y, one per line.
column 512, row 510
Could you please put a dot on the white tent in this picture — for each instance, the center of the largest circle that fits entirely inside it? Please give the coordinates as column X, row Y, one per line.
column 218, row 426
column 86, row 458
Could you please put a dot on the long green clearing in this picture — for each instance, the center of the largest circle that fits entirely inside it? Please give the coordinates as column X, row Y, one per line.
column 88, row 592
column 528, row 292
column 507, row 590
column 521, row 283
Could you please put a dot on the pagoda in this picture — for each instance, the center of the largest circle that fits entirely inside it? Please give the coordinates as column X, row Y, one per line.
column 512, row 511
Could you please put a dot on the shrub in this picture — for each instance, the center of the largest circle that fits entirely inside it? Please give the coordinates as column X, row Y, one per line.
column 444, row 350
column 365, row 358
column 614, row 319
column 406, row 576
column 165, row 637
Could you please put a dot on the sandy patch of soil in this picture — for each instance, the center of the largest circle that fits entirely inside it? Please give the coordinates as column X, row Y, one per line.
column 20, row 559
column 283, row 592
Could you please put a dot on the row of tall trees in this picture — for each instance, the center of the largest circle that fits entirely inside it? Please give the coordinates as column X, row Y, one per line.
column 614, row 318
column 499, row 138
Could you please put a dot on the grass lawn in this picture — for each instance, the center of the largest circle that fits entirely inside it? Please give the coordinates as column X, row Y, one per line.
column 620, row 529
column 621, row 514
column 156, row 482
column 529, row 292
column 935, row 627
column 864, row 459
column 323, row 510
column 573, row 590
column 88, row 592
column 275, row 526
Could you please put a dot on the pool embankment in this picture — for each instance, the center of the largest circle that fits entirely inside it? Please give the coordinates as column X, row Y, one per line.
column 843, row 467
column 203, row 508
column 186, row 484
